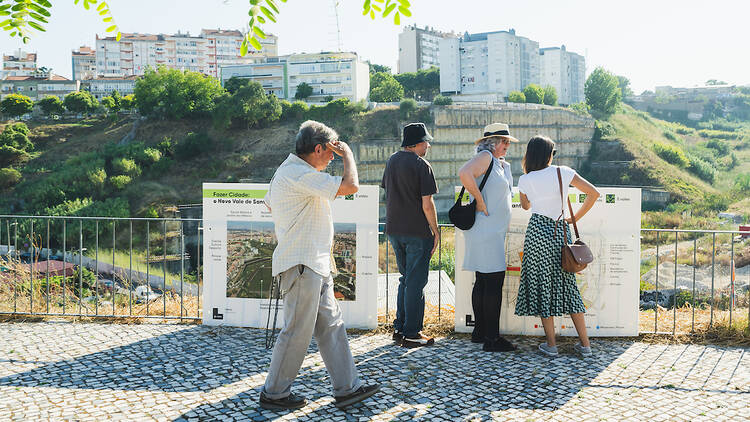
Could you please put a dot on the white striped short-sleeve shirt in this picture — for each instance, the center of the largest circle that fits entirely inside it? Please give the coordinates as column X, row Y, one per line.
column 300, row 200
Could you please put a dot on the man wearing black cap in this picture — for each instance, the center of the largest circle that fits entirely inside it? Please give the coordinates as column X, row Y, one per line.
column 411, row 226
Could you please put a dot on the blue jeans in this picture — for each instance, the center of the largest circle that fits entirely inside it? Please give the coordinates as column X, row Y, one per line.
column 413, row 259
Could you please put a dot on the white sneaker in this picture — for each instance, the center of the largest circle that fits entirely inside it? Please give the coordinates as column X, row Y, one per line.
column 583, row 351
column 548, row 350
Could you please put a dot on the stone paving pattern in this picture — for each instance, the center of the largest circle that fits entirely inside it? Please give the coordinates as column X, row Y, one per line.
column 81, row 371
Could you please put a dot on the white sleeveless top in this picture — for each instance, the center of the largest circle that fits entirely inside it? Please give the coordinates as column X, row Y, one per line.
column 542, row 189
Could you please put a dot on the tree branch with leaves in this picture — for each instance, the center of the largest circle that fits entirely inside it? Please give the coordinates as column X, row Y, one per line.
column 20, row 17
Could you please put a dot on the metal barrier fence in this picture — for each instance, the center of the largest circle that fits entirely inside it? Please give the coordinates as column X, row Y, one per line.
column 145, row 268
column 55, row 273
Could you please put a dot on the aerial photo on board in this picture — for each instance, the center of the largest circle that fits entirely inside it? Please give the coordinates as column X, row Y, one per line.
column 250, row 248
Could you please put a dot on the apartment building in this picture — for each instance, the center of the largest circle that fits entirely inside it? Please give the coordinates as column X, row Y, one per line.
column 103, row 87
column 205, row 53
column 20, row 63
column 38, row 87
column 338, row 74
column 566, row 71
column 272, row 75
column 419, row 48
column 490, row 63
column 84, row 63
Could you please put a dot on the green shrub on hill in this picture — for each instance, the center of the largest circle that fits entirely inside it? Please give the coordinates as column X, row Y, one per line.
column 534, row 94
column 16, row 105
column 671, row 154
column 295, row 110
column 442, row 100
column 80, row 102
column 742, row 183
column 701, row 168
column 119, row 182
column 51, row 105
column 249, row 106
column 126, row 166
column 716, row 134
column 9, row 177
column 16, row 135
column 193, row 145
column 176, row 94
column 603, row 129
column 407, row 108
column 720, row 147
column 516, row 97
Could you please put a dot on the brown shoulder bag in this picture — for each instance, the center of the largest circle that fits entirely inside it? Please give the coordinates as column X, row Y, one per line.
column 577, row 255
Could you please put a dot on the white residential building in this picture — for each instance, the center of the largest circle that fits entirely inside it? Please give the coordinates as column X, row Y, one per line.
column 272, row 75
column 566, row 71
column 20, row 63
column 84, row 63
column 339, row 75
column 134, row 53
column 419, row 48
column 488, row 64
column 103, row 87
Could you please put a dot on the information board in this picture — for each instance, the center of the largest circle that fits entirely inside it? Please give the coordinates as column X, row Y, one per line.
column 609, row 286
column 239, row 240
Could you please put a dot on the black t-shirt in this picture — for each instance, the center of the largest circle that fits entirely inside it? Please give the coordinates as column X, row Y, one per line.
column 407, row 178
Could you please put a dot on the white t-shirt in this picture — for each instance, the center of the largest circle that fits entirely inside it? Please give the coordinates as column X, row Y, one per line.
column 542, row 189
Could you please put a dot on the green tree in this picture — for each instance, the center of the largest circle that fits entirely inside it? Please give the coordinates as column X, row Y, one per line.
column 375, row 68
column 16, row 105
column 407, row 108
column 516, row 97
column 17, row 136
column 715, row 82
column 421, row 85
column 534, row 94
column 176, row 94
column 51, row 105
column 234, row 83
column 550, row 95
column 249, row 106
column 80, row 102
column 128, row 102
column 624, row 86
column 603, row 94
column 387, row 92
column 304, row 90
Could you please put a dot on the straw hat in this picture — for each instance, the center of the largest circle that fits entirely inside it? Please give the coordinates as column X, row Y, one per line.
column 496, row 130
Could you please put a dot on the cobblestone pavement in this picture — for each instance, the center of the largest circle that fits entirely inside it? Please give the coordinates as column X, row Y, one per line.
column 77, row 371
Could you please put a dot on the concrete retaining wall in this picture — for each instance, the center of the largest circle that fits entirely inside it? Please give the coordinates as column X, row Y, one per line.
column 455, row 129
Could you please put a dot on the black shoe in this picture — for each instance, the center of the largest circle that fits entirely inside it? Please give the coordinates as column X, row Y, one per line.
column 498, row 345
column 419, row 341
column 292, row 401
column 477, row 337
column 362, row 393
column 398, row 337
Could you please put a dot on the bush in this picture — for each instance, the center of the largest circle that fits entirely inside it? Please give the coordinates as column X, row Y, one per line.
column 16, row 136
column 442, row 100
column 580, row 108
column 166, row 146
column 716, row 134
column 97, row 177
column 248, row 106
column 407, row 107
column 296, row 110
column 550, row 95
column 149, row 156
column 672, row 136
column 9, row 177
column 603, row 129
column 534, row 94
column 126, row 166
column 721, row 147
column 671, row 154
column 516, row 97
column 120, row 182
column 194, row 145
column 684, row 130
column 742, row 183
column 701, row 168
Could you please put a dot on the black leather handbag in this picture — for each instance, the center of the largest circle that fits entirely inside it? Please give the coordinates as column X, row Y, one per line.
column 463, row 216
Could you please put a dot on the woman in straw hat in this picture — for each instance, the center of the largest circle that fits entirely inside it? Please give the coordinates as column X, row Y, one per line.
column 485, row 241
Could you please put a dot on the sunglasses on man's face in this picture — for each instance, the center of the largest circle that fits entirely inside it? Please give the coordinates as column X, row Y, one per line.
column 554, row 151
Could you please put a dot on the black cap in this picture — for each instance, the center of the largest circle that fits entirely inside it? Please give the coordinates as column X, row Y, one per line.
column 415, row 133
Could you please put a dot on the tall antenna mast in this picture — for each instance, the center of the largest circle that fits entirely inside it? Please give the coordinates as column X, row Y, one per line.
column 339, row 45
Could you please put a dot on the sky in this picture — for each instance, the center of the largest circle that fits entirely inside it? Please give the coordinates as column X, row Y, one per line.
column 651, row 42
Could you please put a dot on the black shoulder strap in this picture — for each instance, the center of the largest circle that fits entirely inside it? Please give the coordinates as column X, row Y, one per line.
column 487, row 173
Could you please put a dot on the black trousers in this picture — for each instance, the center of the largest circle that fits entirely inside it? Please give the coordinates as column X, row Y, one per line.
column 486, row 299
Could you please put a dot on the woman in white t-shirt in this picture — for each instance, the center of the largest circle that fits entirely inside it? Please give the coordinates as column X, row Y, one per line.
column 546, row 290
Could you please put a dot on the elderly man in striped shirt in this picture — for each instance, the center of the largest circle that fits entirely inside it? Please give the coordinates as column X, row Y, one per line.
column 299, row 197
